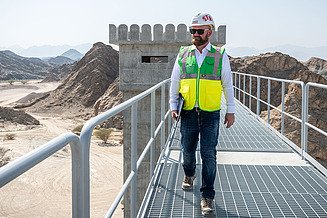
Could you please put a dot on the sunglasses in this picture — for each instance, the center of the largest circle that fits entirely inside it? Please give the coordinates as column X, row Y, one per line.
column 199, row 31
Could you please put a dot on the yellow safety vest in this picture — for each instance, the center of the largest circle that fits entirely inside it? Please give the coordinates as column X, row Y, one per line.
column 202, row 85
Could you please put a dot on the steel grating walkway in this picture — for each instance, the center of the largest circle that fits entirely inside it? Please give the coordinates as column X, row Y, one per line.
column 242, row 190
column 248, row 134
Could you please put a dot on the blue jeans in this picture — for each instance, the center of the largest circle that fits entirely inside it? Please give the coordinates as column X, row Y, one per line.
column 205, row 124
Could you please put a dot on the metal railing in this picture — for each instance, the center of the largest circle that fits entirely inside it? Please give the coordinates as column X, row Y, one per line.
column 307, row 124
column 80, row 147
column 135, row 163
column 240, row 90
column 19, row 166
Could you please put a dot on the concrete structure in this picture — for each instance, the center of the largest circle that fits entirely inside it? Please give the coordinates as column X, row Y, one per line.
column 146, row 58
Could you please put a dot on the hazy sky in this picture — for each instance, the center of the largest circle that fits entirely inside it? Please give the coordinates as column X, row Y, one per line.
column 254, row 23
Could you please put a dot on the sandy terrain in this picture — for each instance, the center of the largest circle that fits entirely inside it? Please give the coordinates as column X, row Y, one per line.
column 11, row 93
column 45, row 190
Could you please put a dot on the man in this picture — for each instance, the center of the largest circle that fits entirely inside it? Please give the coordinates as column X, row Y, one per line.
column 201, row 72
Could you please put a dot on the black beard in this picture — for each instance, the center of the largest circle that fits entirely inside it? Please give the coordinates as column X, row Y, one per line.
column 198, row 41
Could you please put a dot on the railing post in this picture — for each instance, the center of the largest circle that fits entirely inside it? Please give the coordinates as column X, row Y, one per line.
column 258, row 96
column 152, row 129
column 244, row 89
column 133, row 194
column 304, row 115
column 306, row 112
column 77, row 185
column 268, row 101
column 239, row 87
column 163, row 129
column 85, row 138
column 250, row 91
column 283, row 108
column 235, row 82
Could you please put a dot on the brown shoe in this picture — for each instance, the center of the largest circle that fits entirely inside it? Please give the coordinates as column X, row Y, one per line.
column 207, row 206
column 188, row 182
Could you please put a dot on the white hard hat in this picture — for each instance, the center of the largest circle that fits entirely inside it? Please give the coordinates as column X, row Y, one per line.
column 203, row 19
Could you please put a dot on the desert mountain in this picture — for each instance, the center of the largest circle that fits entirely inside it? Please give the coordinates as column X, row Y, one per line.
column 88, row 81
column 15, row 67
column 283, row 66
column 59, row 72
column 72, row 54
column 317, row 65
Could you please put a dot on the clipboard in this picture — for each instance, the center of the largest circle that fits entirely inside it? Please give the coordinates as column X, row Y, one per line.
column 180, row 106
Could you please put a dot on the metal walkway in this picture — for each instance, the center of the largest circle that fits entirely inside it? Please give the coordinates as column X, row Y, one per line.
column 260, row 185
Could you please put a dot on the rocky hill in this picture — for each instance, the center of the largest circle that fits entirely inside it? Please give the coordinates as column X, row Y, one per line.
column 17, row 117
column 88, row 81
column 59, row 72
column 317, row 65
column 283, row 66
column 60, row 60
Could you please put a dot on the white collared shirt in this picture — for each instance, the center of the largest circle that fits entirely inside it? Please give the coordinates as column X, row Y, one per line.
column 226, row 79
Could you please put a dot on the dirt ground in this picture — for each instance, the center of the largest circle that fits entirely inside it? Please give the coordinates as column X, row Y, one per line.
column 45, row 190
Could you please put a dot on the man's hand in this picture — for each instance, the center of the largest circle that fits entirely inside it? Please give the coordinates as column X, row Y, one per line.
column 174, row 114
column 229, row 119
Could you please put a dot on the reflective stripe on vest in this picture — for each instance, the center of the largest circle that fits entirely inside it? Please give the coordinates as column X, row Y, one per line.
column 202, row 85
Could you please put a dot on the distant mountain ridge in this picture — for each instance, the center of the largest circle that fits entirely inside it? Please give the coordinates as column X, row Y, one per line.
column 16, row 67
column 72, row 54
column 47, row 50
column 301, row 53
column 13, row 66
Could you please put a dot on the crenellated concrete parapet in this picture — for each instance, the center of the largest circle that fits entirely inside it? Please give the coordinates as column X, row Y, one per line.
column 159, row 34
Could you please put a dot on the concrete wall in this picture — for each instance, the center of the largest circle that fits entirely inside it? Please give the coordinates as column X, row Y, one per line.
column 146, row 57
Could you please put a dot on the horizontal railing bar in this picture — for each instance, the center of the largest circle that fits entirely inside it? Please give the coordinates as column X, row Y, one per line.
column 271, row 78
column 90, row 124
column 266, row 103
column 316, row 128
column 158, row 128
column 17, row 167
column 144, row 152
column 319, row 85
column 120, row 195
column 160, row 125
column 147, row 147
